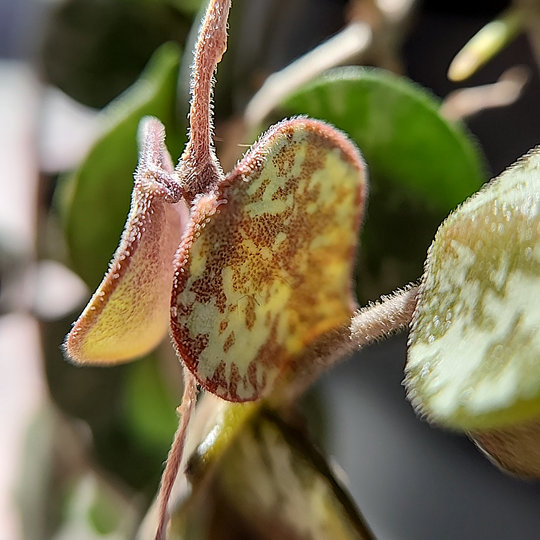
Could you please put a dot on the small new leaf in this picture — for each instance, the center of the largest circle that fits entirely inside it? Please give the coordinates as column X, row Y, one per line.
column 129, row 313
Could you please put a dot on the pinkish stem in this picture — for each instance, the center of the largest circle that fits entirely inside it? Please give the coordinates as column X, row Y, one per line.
column 199, row 168
column 377, row 321
column 174, row 459
column 374, row 322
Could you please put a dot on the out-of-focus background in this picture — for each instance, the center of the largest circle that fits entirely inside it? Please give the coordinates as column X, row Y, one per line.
column 81, row 447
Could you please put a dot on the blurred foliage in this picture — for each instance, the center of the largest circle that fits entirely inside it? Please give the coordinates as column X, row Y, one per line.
column 93, row 50
column 420, row 166
column 290, row 492
column 124, row 441
column 95, row 199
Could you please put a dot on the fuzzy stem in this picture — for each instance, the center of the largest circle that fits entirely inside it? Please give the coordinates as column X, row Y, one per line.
column 372, row 323
column 377, row 321
column 174, row 459
column 199, row 167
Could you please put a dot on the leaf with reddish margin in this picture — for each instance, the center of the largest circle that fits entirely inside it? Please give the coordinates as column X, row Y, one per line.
column 265, row 266
column 128, row 314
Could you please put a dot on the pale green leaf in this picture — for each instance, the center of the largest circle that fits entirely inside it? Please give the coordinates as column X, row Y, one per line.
column 475, row 344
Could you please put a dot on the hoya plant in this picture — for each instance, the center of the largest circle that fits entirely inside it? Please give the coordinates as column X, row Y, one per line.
column 260, row 277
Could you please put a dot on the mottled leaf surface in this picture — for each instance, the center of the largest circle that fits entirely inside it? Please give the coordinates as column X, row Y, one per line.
column 265, row 266
column 290, row 491
column 474, row 347
column 421, row 165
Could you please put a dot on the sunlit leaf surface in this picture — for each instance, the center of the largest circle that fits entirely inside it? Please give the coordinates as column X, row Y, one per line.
column 474, row 348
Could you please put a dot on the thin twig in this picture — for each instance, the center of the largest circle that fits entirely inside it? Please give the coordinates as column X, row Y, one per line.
column 347, row 44
column 530, row 10
column 466, row 102
column 174, row 459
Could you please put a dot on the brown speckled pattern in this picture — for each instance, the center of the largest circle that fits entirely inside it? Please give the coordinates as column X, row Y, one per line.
column 265, row 266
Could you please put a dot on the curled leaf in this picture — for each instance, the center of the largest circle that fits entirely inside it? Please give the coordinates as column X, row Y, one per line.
column 128, row 314
column 94, row 200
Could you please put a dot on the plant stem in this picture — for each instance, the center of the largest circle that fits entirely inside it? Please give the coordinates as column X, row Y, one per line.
column 352, row 41
column 174, row 459
column 198, row 171
column 530, row 10
column 199, row 168
column 372, row 323
column 377, row 321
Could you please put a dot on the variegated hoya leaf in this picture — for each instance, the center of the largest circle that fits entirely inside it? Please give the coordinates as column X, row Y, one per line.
column 265, row 266
column 128, row 314
column 251, row 471
column 475, row 341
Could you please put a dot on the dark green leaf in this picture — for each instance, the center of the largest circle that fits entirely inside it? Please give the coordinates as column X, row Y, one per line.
column 94, row 50
column 149, row 407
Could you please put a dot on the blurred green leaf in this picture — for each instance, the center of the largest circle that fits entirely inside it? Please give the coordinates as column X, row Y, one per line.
column 104, row 517
column 251, row 474
column 148, row 404
column 93, row 50
column 97, row 396
column 398, row 127
column 420, row 165
column 290, row 491
column 269, row 482
column 95, row 199
column 95, row 510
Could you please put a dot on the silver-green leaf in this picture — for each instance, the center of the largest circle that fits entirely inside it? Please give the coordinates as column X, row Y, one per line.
column 474, row 354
